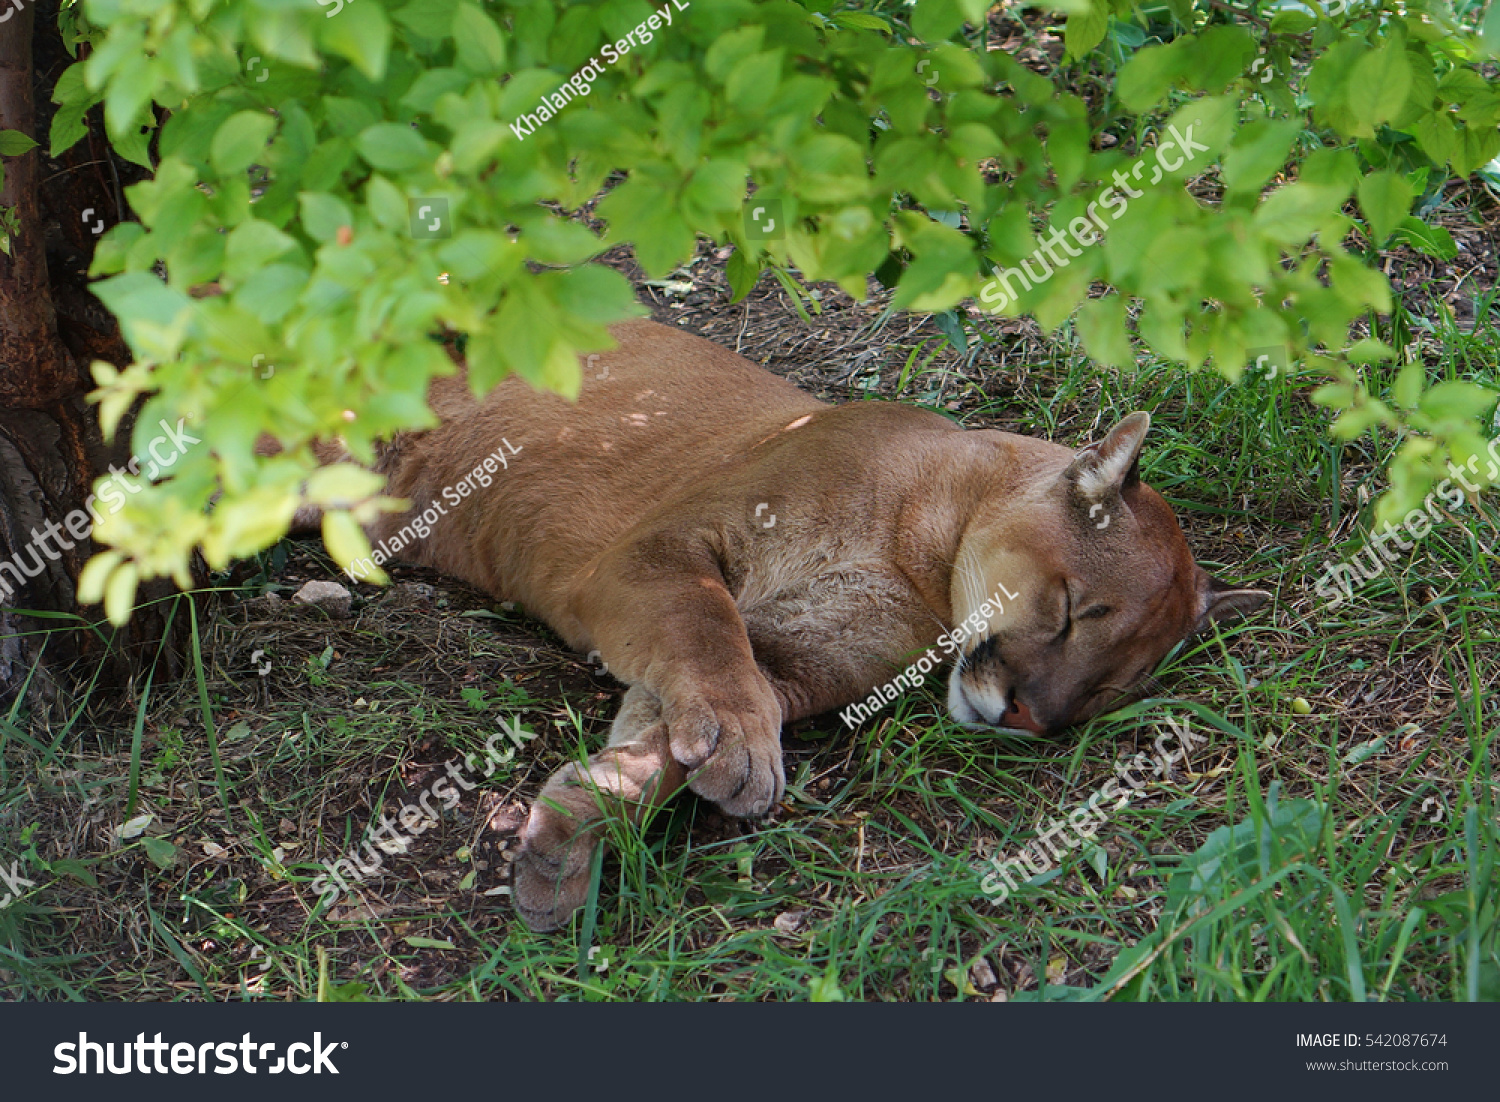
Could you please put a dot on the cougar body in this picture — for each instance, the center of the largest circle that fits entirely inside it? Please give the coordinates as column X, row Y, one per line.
column 741, row 554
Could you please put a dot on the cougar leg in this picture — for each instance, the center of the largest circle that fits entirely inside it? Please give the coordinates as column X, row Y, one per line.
column 634, row 773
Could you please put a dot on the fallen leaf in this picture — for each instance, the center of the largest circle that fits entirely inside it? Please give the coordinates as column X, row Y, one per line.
column 362, row 912
column 163, row 853
column 959, row 978
column 429, row 943
column 1364, row 751
column 135, row 827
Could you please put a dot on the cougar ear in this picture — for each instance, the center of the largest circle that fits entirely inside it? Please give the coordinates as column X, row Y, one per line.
column 1219, row 600
column 1111, row 464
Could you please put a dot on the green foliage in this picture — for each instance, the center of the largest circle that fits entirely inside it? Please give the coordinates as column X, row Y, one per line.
column 338, row 189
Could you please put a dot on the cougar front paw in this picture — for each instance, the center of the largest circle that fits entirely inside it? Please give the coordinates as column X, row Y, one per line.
column 732, row 745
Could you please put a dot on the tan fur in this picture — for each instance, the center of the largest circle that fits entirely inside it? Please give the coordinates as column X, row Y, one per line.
column 637, row 523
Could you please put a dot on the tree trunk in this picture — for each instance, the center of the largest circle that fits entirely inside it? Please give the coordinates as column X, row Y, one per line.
column 51, row 328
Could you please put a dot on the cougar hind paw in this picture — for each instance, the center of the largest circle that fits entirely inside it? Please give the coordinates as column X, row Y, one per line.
column 550, row 878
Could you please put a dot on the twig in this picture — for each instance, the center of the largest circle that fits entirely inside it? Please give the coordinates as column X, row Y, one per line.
column 1222, row 5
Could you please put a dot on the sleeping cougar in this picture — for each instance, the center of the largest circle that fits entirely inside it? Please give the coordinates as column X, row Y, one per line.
column 741, row 555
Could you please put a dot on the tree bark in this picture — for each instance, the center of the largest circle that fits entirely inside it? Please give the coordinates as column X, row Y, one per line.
column 51, row 449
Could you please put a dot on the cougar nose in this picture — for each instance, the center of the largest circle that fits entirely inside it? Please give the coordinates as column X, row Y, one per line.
column 1018, row 715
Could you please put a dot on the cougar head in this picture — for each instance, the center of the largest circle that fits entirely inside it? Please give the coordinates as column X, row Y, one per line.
column 1095, row 585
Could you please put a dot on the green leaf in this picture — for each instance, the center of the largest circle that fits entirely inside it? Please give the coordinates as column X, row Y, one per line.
column 252, row 244
column 392, row 147
column 70, row 866
column 595, row 293
column 142, row 301
column 1364, row 751
column 240, row 141
column 752, row 84
column 861, row 21
column 346, row 543
column 270, row 293
column 1437, row 136
column 480, row 47
column 323, row 215
column 743, row 273
column 1231, row 857
column 1293, row 213
column 474, row 253
column 1361, row 288
column 1085, row 29
column 636, row 213
column 717, row 185
column 1292, row 21
column 1068, row 150
column 825, row 989
column 427, row 88
column 1148, row 75
column 163, row 853
column 1407, row 390
column 127, row 99
column 1489, row 30
column 1432, row 240
column 1101, row 324
column 68, row 126
column 428, row 18
column 1220, row 56
column 1457, row 400
column 362, row 34
column 342, row 486
column 1259, row 151
column 113, row 249
column 13, row 143
column 1385, row 198
column 1476, row 145
column 935, row 20
column 132, row 144
column 1379, row 83
column 429, row 943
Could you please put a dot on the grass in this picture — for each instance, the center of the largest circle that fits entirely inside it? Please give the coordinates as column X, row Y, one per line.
column 1345, row 850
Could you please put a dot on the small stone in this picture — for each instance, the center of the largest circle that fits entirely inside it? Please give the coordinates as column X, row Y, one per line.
column 329, row 597
column 982, row 976
column 790, row 922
